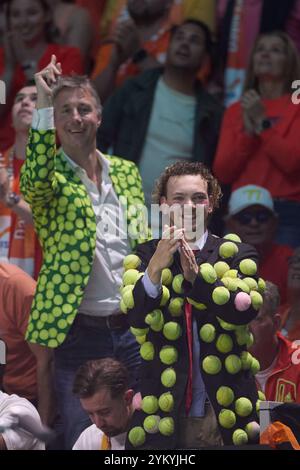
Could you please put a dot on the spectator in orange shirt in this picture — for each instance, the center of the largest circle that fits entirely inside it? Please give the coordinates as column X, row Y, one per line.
column 251, row 215
column 28, row 366
column 279, row 375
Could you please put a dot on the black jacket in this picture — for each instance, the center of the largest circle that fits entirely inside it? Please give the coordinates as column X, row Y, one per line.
column 127, row 112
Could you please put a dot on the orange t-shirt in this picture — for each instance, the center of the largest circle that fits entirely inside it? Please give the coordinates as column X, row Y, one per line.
column 16, row 293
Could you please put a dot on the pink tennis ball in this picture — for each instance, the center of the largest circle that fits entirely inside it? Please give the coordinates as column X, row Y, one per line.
column 242, row 301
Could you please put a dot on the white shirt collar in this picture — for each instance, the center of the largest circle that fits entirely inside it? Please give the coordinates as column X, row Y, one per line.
column 105, row 164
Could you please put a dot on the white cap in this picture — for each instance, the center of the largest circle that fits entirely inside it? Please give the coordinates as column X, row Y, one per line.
column 247, row 196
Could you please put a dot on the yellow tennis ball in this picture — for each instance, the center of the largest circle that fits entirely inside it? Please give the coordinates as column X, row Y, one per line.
column 150, row 404
column 261, row 395
column 168, row 377
column 176, row 306
column 225, row 396
column 242, row 335
column 220, row 295
column 253, row 430
column 230, row 283
column 228, row 249
column 243, row 407
column 141, row 339
column 151, row 424
column 137, row 436
column 221, row 267
column 166, row 277
column 208, row 273
column 239, row 437
column 123, row 307
column 197, row 305
column 246, row 360
column 177, row 284
column 166, row 426
column 158, row 326
column 233, row 273
column 243, row 286
column 130, row 277
column 147, row 351
column 227, row 418
column 226, row 326
column 168, row 355
column 166, row 402
column 154, row 317
column 128, row 298
column 224, row 343
column 248, row 267
column 211, row 365
column 261, row 285
column 233, row 237
column 207, row 333
column 165, row 296
column 131, row 262
column 258, row 402
column 251, row 283
column 233, row 364
column 139, row 331
column 255, row 366
column 250, row 340
column 172, row 330
column 256, row 300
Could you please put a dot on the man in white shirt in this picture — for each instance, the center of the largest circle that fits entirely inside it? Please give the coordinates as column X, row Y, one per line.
column 75, row 195
column 102, row 387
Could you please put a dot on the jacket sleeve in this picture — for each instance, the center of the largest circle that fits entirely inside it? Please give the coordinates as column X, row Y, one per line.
column 235, row 147
column 202, row 292
column 37, row 180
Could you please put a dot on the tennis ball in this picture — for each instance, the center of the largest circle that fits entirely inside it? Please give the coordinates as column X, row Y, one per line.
column 139, row 331
column 239, row 437
column 141, row 339
column 177, row 284
column 225, row 396
column 130, row 277
column 128, row 298
column 168, row 355
column 258, row 402
column 221, row 267
column 197, row 305
column 233, row 237
column 242, row 335
column 227, row 418
column 233, row 364
column 151, row 424
column 153, row 317
column 125, row 288
column 176, row 306
column 261, row 395
column 220, row 295
column 243, row 407
column 165, row 296
column 224, row 343
column 228, row 249
column 243, row 286
column 246, row 360
column 261, row 285
column 150, row 404
column 123, row 307
column 166, row 277
column 252, row 429
column 147, row 351
column 211, row 365
column 207, row 333
column 230, row 283
column 168, row 377
column 166, row 402
column 226, row 326
column 158, row 326
column 166, row 426
column 250, row 340
column 233, row 273
column 256, row 299
column 242, row 301
column 255, row 366
column 131, row 262
column 172, row 330
column 251, row 283
column 137, row 436
column 248, row 267
column 208, row 273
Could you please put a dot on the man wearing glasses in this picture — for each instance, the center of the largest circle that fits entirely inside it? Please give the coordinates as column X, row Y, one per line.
column 251, row 215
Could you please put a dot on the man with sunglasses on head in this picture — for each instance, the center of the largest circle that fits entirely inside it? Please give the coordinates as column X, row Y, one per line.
column 251, row 215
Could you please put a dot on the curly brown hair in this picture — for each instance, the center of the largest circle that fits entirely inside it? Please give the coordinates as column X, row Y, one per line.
column 187, row 168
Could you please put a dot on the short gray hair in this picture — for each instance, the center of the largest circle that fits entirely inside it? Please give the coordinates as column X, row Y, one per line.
column 77, row 81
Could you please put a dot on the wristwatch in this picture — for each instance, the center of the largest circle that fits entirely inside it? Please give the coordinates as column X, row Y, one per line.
column 264, row 125
column 139, row 56
column 12, row 199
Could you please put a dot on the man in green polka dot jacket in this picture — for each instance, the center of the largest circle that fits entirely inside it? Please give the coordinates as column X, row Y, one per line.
column 76, row 194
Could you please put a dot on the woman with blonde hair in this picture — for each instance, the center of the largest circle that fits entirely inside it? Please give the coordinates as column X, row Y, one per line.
column 259, row 142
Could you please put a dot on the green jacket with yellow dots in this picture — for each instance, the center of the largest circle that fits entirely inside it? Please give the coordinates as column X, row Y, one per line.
column 66, row 226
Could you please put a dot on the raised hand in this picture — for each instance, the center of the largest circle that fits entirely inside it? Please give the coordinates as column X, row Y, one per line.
column 45, row 79
column 126, row 41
